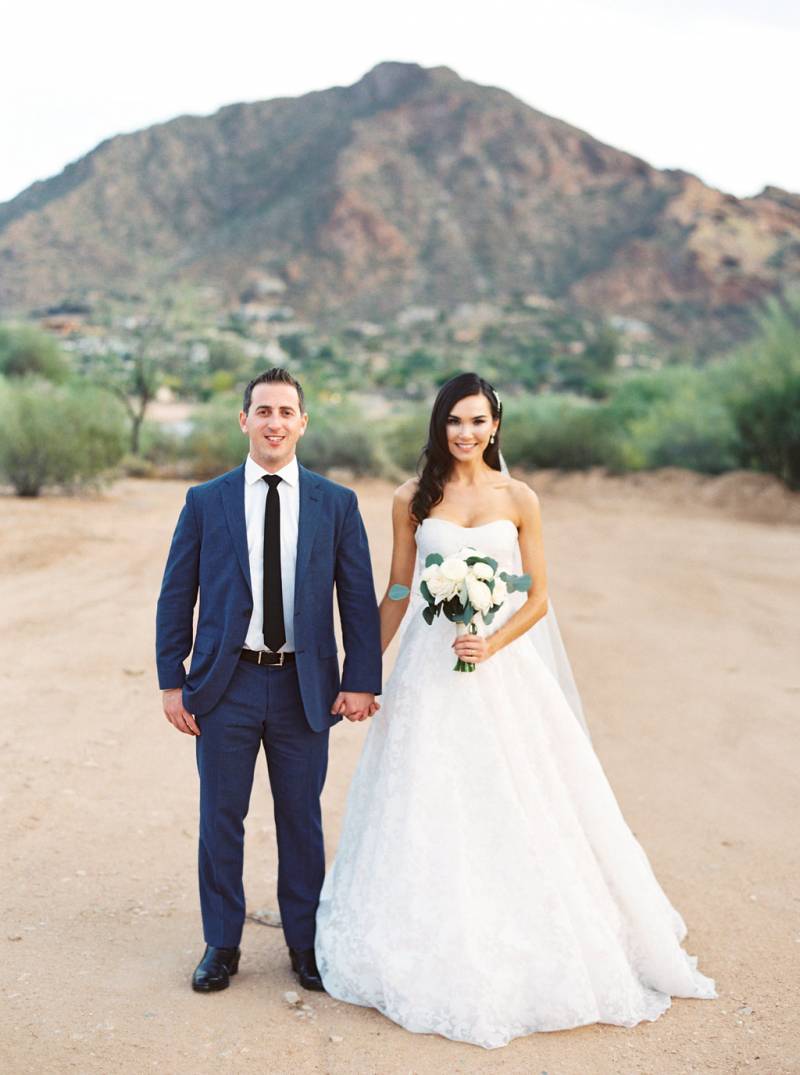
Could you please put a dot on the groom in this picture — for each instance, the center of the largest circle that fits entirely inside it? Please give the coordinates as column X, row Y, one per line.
column 264, row 545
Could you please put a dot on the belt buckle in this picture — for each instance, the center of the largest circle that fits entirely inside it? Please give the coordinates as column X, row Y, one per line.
column 262, row 653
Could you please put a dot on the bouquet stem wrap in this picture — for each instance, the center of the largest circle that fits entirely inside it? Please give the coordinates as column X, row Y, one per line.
column 465, row 629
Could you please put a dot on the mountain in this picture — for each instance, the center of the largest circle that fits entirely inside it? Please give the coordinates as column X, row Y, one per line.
column 411, row 186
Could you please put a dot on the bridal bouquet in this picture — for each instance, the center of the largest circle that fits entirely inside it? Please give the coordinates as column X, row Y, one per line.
column 467, row 588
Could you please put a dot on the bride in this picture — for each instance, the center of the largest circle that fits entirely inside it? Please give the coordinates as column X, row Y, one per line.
column 486, row 884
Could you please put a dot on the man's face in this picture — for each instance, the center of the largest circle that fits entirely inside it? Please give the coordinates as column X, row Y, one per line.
column 273, row 424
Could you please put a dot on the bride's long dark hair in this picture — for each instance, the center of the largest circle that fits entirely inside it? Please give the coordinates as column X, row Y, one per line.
column 436, row 460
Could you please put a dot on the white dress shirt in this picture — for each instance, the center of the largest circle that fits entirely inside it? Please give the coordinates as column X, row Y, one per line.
column 255, row 504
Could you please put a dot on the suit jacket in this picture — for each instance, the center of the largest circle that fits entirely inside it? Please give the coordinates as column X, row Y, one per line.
column 209, row 555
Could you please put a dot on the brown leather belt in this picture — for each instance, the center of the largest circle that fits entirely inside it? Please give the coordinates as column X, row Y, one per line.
column 266, row 657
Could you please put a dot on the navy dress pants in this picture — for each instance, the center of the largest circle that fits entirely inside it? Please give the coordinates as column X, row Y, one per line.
column 261, row 705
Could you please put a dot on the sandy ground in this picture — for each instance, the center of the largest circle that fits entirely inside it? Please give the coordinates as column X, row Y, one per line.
column 678, row 602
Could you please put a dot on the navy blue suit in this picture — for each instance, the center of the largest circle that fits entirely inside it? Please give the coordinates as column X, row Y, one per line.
column 240, row 706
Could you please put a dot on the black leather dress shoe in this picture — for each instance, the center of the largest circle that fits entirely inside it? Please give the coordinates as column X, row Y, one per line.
column 214, row 970
column 304, row 965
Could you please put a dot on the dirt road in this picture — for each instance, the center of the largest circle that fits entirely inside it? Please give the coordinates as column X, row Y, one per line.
column 681, row 621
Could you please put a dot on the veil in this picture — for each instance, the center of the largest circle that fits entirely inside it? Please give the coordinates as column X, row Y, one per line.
column 545, row 636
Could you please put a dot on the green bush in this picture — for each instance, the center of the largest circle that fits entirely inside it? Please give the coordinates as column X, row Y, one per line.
column 690, row 430
column 760, row 386
column 538, row 431
column 672, row 417
column 161, row 446
column 50, row 435
column 28, row 352
column 633, row 395
column 337, row 436
column 215, row 443
column 561, row 431
column 405, row 437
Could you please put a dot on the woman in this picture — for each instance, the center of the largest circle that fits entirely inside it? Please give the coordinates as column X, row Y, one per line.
column 486, row 885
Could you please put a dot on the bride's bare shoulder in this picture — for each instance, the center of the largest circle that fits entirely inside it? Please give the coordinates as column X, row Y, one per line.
column 404, row 493
column 401, row 503
column 525, row 499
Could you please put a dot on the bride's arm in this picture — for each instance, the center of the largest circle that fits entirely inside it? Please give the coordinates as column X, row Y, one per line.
column 531, row 549
column 404, row 552
column 535, row 607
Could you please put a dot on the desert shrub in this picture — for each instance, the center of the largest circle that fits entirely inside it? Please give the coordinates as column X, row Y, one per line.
column 53, row 435
column 337, row 437
column 136, row 466
column 215, row 443
column 690, row 430
column 538, row 431
column 760, row 386
column 560, row 431
column 671, row 417
column 28, row 352
column 161, row 445
column 633, row 395
column 404, row 438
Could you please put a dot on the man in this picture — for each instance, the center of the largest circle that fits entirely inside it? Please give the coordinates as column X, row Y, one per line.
column 264, row 545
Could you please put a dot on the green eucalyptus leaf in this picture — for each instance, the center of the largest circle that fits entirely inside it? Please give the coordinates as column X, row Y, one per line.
column 467, row 614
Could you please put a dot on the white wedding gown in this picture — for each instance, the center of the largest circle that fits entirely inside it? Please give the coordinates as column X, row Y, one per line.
column 486, row 884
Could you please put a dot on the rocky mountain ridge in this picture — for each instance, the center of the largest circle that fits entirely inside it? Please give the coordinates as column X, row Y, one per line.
column 412, row 186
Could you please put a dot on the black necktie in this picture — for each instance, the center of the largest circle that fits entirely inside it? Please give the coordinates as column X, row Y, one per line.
column 274, row 630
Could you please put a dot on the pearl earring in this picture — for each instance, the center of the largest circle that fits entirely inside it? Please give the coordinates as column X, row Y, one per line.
column 491, row 439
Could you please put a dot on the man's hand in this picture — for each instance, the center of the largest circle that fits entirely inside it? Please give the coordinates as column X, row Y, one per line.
column 355, row 705
column 172, row 702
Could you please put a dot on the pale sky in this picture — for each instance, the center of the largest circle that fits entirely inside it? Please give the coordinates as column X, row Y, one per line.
column 704, row 85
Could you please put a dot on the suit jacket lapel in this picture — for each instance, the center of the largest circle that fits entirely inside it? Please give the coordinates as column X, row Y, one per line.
column 310, row 510
column 232, row 492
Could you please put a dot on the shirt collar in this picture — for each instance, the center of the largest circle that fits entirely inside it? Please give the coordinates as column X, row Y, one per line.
column 253, row 472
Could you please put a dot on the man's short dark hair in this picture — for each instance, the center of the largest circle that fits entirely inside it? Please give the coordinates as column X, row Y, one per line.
column 274, row 376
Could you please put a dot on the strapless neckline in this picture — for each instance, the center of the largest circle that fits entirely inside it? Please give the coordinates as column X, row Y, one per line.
column 458, row 526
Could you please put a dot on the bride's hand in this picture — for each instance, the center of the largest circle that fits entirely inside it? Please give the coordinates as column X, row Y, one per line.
column 472, row 648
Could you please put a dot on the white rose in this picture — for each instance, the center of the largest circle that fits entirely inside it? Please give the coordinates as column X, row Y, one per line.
column 435, row 581
column 500, row 592
column 482, row 571
column 480, row 596
column 430, row 574
column 454, row 569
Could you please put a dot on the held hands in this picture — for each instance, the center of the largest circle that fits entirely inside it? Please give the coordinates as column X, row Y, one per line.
column 355, row 705
column 176, row 714
column 351, row 704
